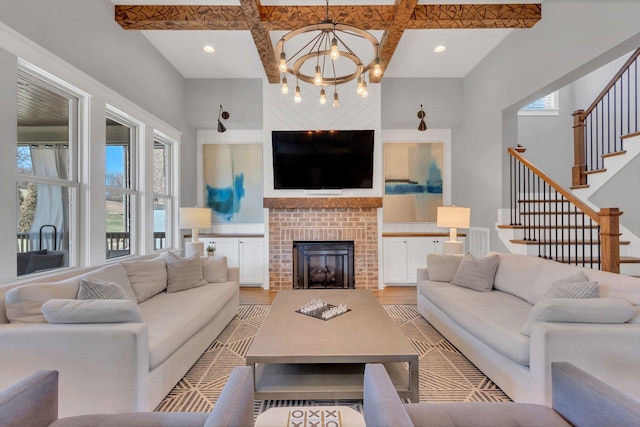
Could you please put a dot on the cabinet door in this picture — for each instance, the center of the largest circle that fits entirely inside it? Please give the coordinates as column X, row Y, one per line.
column 394, row 260
column 225, row 246
column 251, row 261
column 417, row 250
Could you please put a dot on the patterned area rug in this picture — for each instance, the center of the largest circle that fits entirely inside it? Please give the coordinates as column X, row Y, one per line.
column 445, row 374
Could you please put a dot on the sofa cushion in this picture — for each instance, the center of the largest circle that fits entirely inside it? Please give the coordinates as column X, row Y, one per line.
column 99, row 289
column 183, row 273
column 214, row 269
column 173, row 318
column 495, row 317
column 23, row 304
column 442, row 267
column 91, row 311
column 586, row 310
column 476, row 273
column 517, row 274
column 147, row 277
column 550, row 272
column 112, row 273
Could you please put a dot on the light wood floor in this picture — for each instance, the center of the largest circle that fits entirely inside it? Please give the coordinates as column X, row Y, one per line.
column 388, row 295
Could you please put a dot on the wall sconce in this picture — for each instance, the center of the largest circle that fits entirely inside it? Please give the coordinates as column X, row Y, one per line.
column 453, row 217
column 222, row 115
column 421, row 115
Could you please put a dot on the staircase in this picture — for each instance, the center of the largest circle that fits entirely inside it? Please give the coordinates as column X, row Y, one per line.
column 548, row 221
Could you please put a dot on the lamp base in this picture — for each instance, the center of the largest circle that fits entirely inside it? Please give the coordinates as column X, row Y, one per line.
column 191, row 248
column 454, row 248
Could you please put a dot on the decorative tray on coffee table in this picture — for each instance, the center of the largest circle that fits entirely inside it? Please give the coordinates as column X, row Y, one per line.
column 321, row 310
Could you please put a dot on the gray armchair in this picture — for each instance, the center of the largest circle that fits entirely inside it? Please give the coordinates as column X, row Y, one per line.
column 578, row 399
column 33, row 402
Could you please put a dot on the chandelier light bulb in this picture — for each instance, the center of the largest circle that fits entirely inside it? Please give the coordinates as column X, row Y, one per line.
column 359, row 88
column 335, row 53
column 297, row 98
column 377, row 69
column 283, row 63
column 365, row 91
column 317, row 80
column 336, row 101
column 323, row 97
column 285, row 86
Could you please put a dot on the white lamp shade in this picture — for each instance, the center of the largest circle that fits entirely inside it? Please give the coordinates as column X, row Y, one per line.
column 195, row 218
column 453, row 216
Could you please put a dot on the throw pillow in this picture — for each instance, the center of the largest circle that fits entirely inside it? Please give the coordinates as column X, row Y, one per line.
column 442, row 267
column 476, row 273
column 590, row 310
column 148, row 277
column 183, row 273
column 574, row 286
column 23, row 304
column 214, row 269
column 91, row 311
column 99, row 289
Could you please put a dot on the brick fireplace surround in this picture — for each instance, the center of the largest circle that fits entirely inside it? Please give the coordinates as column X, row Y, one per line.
column 317, row 219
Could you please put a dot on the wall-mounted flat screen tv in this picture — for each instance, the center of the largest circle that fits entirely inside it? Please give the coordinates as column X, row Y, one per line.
column 316, row 160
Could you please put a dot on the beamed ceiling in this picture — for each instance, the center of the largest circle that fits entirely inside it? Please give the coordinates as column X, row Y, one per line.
column 392, row 20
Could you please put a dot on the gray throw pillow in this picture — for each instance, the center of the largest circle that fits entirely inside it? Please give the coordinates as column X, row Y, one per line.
column 442, row 267
column 183, row 273
column 100, row 289
column 476, row 273
column 574, row 286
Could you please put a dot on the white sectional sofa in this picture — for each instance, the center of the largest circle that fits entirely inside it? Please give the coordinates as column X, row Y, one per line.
column 116, row 360
column 488, row 324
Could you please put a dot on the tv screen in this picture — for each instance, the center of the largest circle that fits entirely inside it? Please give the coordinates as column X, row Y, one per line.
column 316, row 160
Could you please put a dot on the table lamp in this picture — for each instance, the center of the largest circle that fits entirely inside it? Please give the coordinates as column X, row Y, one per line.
column 453, row 217
column 194, row 218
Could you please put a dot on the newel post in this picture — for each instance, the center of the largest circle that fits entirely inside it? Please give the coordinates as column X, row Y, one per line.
column 578, row 176
column 610, row 239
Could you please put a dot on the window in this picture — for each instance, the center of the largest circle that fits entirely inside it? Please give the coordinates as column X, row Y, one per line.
column 46, row 183
column 162, row 192
column 120, row 178
column 545, row 106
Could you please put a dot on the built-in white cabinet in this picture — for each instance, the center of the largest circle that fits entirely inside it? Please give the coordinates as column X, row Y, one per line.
column 401, row 257
column 247, row 253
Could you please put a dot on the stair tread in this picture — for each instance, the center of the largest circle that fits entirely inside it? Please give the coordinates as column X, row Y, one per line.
column 613, row 154
column 629, row 260
column 578, row 187
column 546, row 227
column 559, row 242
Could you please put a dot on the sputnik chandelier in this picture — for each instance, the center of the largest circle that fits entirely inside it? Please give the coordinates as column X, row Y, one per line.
column 324, row 49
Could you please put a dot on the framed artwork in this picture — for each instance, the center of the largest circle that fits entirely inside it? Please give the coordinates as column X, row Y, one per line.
column 413, row 181
column 232, row 182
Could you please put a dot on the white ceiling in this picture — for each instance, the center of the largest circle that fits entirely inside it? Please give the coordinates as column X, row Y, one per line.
column 236, row 56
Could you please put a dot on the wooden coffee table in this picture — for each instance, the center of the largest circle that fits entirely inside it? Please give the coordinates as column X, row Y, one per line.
column 295, row 356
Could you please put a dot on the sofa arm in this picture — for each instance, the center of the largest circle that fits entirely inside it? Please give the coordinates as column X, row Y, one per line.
column 610, row 352
column 584, row 400
column 382, row 406
column 102, row 367
column 423, row 274
column 233, row 274
column 32, row 401
column 234, row 407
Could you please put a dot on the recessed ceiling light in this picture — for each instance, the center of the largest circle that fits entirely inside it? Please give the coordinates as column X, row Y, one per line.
column 208, row 49
column 440, row 49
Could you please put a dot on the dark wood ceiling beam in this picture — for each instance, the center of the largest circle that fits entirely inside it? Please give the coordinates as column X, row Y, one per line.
column 285, row 18
column 181, row 17
column 251, row 11
column 475, row 16
column 404, row 9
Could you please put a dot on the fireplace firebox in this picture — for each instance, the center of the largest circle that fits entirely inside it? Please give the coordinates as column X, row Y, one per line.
column 323, row 265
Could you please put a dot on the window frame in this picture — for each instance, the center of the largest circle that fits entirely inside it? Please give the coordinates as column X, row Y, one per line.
column 170, row 188
column 551, row 106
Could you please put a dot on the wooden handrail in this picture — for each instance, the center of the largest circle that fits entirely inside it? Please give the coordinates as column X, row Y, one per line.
column 569, row 196
column 613, row 81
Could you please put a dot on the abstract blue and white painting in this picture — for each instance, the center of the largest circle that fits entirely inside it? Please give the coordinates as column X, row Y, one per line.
column 412, row 181
column 232, row 182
